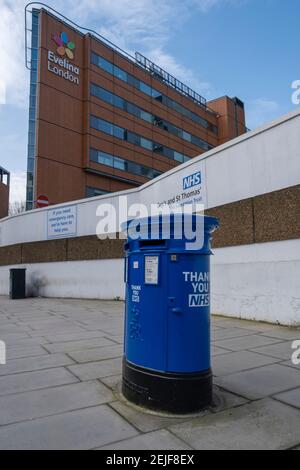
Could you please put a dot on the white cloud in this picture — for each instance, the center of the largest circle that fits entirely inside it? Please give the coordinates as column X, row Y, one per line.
column 13, row 76
column 260, row 111
column 17, row 187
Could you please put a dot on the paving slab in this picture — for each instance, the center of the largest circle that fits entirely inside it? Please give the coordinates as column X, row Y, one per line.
column 284, row 333
column 230, row 363
column 226, row 333
column 216, row 351
column 95, row 370
column 246, row 342
column 113, row 381
column 291, row 397
column 25, row 351
column 224, row 400
column 159, row 440
column 281, row 351
column 63, row 338
column 48, row 361
column 261, row 382
column 97, row 354
column 35, row 380
column 263, row 425
column 71, row 346
column 290, row 364
column 145, row 422
column 77, row 430
column 51, row 401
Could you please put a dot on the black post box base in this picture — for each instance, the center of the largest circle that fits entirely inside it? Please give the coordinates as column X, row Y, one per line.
column 173, row 393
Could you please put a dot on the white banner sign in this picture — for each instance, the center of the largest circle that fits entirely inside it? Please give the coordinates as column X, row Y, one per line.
column 62, row 222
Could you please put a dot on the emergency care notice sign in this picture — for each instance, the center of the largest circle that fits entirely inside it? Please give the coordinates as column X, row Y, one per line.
column 151, row 269
column 62, row 222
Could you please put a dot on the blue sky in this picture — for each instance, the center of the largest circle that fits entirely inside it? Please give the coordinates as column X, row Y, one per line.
column 244, row 48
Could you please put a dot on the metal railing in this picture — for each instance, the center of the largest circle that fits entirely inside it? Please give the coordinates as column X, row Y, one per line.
column 159, row 73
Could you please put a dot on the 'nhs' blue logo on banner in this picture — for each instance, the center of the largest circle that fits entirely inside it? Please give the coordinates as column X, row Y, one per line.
column 192, row 180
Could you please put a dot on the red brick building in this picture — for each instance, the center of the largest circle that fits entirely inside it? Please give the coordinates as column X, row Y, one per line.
column 102, row 121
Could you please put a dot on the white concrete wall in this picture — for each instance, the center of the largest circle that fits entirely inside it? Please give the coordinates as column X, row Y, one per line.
column 101, row 279
column 256, row 282
column 256, row 163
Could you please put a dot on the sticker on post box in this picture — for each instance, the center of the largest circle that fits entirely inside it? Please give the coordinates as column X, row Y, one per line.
column 135, row 265
column 151, row 270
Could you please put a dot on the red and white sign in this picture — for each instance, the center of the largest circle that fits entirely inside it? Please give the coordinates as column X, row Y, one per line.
column 42, row 201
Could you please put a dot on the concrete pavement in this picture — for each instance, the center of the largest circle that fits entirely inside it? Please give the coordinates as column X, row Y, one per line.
column 60, row 386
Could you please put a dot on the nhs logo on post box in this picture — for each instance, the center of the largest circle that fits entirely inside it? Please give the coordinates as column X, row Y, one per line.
column 192, row 180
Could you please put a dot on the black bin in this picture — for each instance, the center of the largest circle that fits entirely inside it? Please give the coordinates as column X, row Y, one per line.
column 17, row 285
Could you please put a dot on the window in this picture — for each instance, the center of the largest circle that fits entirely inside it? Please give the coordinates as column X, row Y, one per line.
column 119, row 102
column 119, row 164
column 133, row 138
column 157, row 95
column 122, row 164
column 178, row 157
column 120, row 133
column 134, row 110
column 119, row 73
column 146, row 144
column 145, row 88
column 102, row 63
column 105, row 126
column 146, row 116
column 30, row 165
column 158, row 148
column 92, row 192
column 105, row 159
column 186, row 136
column 133, row 81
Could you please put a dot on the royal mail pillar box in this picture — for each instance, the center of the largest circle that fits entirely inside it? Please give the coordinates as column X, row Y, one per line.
column 166, row 362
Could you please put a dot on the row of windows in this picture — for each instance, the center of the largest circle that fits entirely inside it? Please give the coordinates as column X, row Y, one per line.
column 131, row 108
column 133, row 138
column 32, row 112
column 123, row 165
column 150, row 91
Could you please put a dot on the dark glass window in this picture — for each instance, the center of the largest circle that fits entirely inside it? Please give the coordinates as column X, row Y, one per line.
column 106, row 127
column 119, row 102
column 146, row 88
column 146, row 116
column 122, row 164
column 119, row 164
column 147, row 144
column 131, row 80
column 133, row 138
column 120, row 133
column 157, row 95
column 119, row 73
column 92, row 192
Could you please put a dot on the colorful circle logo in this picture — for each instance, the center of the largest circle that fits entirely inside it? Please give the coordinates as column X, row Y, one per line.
column 64, row 46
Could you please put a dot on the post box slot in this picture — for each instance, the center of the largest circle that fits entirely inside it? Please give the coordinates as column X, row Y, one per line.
column 148, row 244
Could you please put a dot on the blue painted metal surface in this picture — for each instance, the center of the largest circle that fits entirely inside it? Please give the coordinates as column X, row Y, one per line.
column 167, row 315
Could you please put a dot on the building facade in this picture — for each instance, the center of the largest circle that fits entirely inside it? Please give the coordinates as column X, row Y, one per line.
column 101, row 121
column 4, row 192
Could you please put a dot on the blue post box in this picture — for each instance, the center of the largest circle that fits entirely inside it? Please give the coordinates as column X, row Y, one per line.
column 166, row 363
